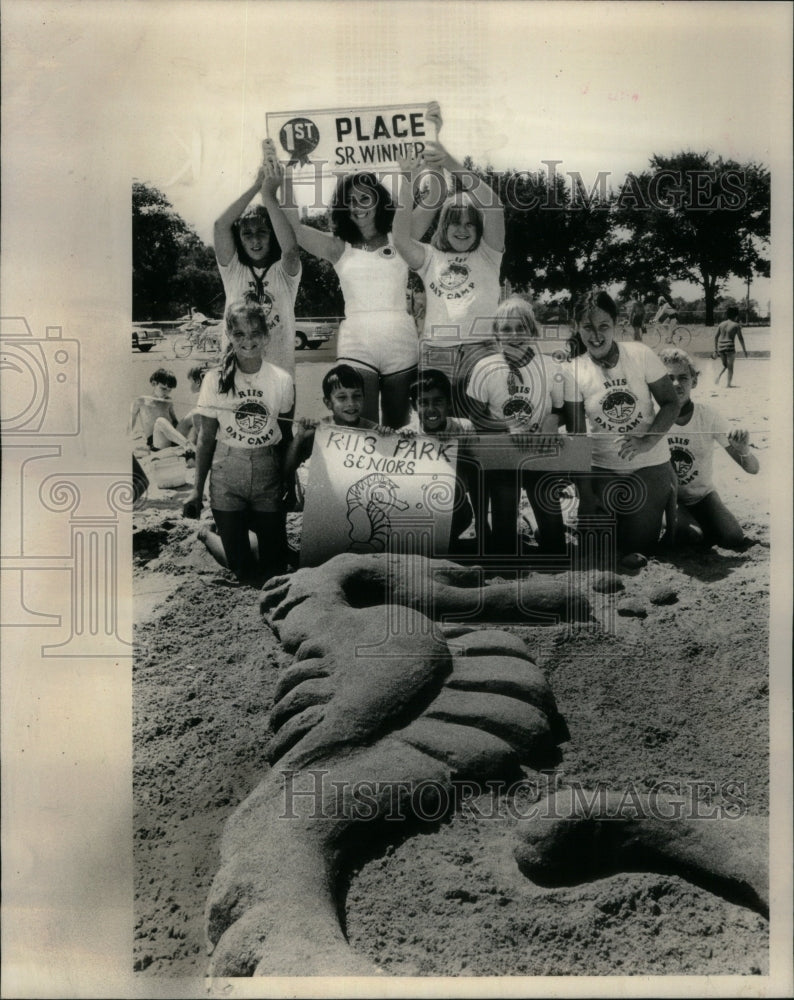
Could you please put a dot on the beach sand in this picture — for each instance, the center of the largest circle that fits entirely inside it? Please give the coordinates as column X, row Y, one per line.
column 680, row 695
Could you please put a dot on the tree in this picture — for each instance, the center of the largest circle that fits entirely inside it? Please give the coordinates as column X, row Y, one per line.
column 319, row 293
column 171, row 267
column 694, row 218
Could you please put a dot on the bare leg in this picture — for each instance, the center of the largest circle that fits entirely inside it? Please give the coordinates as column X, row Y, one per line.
column 235, row 542
column 719, row 526
column 165, row 434
column 729, row 361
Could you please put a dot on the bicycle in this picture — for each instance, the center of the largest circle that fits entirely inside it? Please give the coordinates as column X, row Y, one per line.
column 660, row 335
column 202, row 340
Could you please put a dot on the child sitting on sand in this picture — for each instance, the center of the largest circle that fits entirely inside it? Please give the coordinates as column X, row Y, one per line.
column 702, row 516
column 155, row 414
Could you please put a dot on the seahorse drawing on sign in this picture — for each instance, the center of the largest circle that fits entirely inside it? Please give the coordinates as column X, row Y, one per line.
column 369, row 502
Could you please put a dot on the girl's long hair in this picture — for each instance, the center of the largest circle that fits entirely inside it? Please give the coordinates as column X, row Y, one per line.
column 452, row 210
column 252, row 310
column 257, row 213
column 342, row 224
column 595, row 298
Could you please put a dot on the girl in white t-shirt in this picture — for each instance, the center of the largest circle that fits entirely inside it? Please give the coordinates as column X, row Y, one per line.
column 257, row 255
column 622, row 391
column 460, row 266
column 244, row 428
column 702, row 516
column 520, row 391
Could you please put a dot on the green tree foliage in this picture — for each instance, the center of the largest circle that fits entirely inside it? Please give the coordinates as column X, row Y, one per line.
column 319, row 293
column 695, row 218
column 172, row 268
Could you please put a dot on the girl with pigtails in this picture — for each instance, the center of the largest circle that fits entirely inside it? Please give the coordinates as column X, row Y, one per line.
column 244, row 429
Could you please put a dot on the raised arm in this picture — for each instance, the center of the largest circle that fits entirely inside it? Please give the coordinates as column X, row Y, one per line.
column 223, row 239
column 423, row 214
column 481, row 193
column 411, row 251
column 282, row 229
column 313, row 241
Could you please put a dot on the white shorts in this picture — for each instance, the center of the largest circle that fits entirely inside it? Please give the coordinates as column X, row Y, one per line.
column 384, row 342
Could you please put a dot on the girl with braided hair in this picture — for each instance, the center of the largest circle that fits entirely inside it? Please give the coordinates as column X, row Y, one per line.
column 244, row 428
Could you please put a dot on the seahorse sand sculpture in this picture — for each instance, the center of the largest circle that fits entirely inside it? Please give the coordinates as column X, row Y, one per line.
column 383, row 698
column 369, row 502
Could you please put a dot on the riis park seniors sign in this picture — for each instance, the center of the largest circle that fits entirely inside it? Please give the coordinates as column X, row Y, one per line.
column 372, row 493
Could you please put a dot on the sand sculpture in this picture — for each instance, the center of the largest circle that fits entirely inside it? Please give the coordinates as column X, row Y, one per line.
column 397, row 691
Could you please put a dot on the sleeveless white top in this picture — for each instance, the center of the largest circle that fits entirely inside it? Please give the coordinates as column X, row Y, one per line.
column 372, row 281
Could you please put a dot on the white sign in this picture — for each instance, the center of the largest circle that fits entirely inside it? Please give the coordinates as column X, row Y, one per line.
column 350, row 139
column 368, row 493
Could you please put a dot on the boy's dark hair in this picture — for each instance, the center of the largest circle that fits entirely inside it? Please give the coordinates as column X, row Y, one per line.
column 732, row 312
column 197, row 373
column 342, row 377
column 342, row 224
column 431, row 378
column 163, row 377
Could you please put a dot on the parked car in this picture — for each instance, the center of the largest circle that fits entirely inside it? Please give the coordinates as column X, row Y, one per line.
column 313, row 333
column 144, row 338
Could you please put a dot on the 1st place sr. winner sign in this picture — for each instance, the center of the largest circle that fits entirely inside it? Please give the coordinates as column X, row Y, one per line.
column 350, row 139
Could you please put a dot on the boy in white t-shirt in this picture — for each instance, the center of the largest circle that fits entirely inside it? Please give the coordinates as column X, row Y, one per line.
column 702, row 516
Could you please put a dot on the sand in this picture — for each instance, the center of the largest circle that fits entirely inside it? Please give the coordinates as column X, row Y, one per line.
column 680, row 695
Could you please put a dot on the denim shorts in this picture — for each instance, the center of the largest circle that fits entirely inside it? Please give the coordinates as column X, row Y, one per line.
column 245, row 479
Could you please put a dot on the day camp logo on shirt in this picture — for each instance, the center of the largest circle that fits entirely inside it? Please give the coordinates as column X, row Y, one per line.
column 619, row 406
column 265, row 299
column 251, row 417
column 453, row 276
column 518, row 405
column 682, row 460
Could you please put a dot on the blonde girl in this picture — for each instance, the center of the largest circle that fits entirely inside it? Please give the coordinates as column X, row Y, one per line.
column 243, row 431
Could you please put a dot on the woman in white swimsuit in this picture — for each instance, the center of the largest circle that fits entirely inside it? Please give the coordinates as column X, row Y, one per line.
column 378, row 335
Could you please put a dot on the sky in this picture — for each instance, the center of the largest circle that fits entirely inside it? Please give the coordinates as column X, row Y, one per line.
column 597, row 86
column 175, row 92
